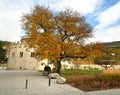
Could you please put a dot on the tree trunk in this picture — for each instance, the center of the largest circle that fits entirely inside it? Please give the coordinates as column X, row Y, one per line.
column 59, row 68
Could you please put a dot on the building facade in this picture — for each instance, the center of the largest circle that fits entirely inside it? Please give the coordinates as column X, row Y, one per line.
column 21, row 57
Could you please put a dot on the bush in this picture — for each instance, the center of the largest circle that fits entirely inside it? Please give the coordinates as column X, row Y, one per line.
column 95, row 82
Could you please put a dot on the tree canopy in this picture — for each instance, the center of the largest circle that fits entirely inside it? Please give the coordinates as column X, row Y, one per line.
column 2, row 54
column 53, row 35
column 56, row 36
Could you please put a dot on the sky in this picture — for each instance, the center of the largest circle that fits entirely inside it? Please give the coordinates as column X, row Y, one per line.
column 102, row 15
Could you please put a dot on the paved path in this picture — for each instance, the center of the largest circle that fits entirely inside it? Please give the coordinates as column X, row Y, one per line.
column 12, row 82
column 105, row 92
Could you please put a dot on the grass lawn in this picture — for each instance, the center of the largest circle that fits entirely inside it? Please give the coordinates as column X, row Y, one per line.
column 81, row 72
column 92, row 80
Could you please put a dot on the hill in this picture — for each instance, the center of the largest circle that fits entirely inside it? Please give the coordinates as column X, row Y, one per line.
column 5, row 44
column 115, row 44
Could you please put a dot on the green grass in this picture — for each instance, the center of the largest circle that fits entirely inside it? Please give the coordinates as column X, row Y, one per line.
column 81, row 72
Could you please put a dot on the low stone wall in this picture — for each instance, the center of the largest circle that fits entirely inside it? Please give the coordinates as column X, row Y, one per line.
column 92, row 66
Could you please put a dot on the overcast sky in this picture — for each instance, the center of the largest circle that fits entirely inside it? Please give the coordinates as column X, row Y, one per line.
column 103, row 15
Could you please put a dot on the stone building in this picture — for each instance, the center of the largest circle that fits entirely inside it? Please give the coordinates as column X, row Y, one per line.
column 21, row 57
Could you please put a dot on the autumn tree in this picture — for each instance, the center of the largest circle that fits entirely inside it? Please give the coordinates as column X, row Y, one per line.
column 102, row 56
column 115, row 52
column 55, row 36
column 97, row 50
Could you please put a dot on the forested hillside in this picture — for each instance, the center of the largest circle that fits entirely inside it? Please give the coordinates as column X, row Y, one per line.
column 5, row 43
column 115, row 44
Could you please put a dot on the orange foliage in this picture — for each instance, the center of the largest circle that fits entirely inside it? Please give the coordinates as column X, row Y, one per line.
column 56, row 37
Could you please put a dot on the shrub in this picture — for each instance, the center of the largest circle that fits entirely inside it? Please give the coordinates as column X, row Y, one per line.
column 107, row 80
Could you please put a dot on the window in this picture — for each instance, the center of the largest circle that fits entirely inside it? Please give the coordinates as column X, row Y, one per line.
column 13, row 54
column 32, row 54
column 21, row 54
